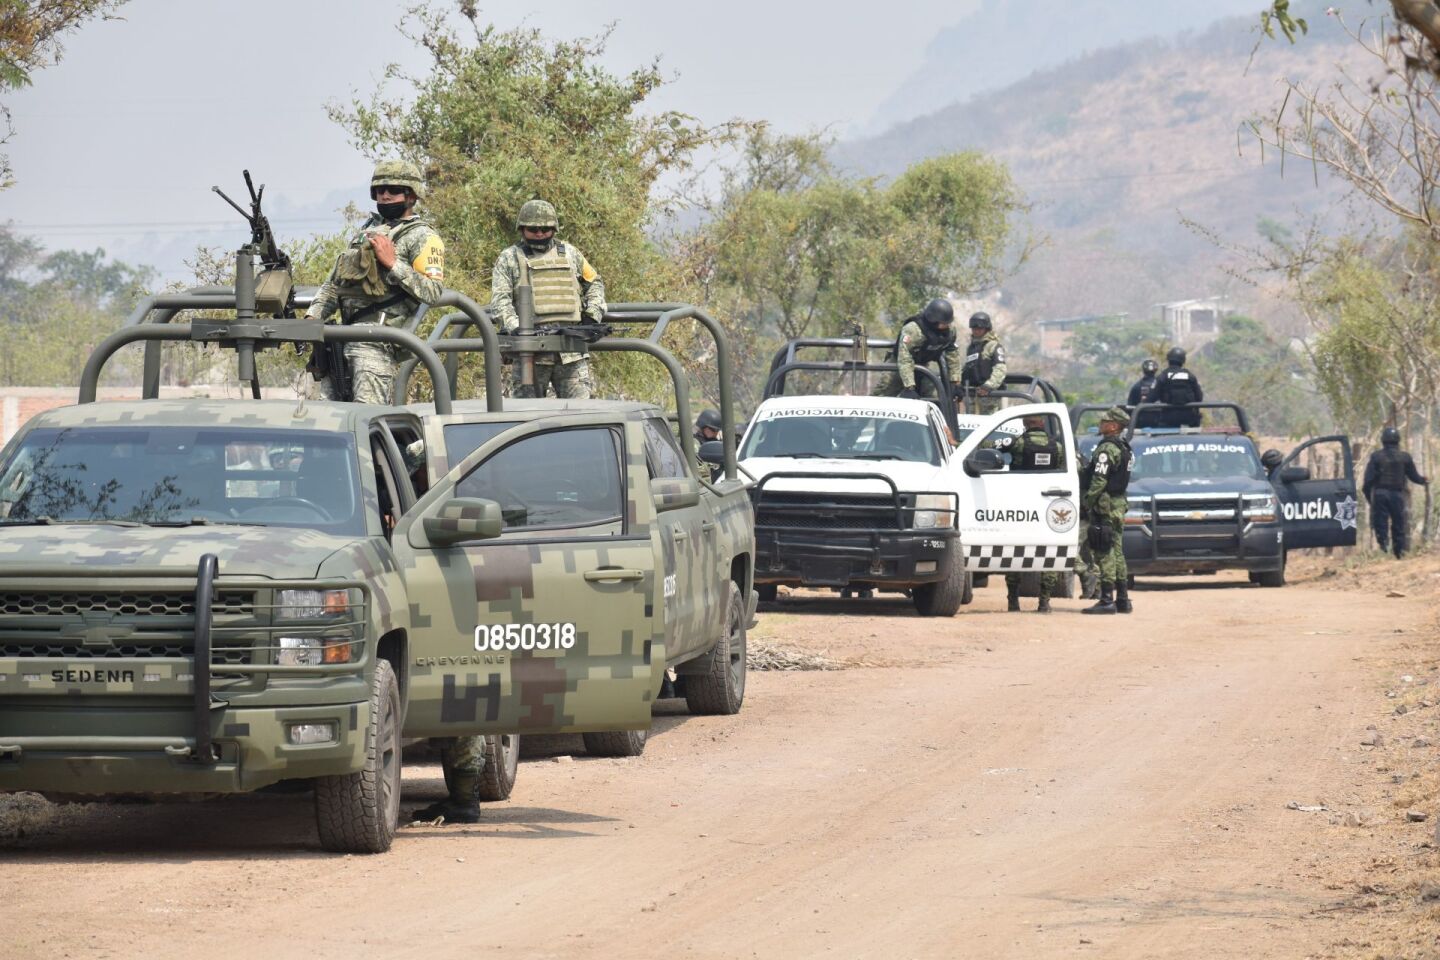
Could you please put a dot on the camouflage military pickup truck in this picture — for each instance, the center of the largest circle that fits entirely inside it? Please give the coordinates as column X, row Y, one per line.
column 211, row 596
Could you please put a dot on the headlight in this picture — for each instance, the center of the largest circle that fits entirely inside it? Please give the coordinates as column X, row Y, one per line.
column 313, row 651
column 1260, row 508
column 934, row 511
column 311, row 604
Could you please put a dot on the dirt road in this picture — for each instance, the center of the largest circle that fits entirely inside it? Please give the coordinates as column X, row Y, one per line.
column 989, row 786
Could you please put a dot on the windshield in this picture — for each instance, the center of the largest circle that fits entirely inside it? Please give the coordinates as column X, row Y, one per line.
column 1197, row 458
column 842, row 434
column 181, row 475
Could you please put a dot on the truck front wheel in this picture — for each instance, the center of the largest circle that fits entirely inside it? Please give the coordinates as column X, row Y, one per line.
column 943, row 597
column 359, row 812
column 721, row 688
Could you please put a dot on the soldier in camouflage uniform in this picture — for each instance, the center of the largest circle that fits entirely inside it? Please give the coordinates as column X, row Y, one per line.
column 567, row 290
column 1035, row 449
column 925, row 339
column 393, row 264
column 984, row 368
column 1103, row 492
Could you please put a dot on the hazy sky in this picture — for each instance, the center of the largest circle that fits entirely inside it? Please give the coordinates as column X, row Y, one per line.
column 118, row 145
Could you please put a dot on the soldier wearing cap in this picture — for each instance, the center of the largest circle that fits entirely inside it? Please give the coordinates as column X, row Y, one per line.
column 567, row 290
column 1102, row 489
column 984, row 369
column 394, row 263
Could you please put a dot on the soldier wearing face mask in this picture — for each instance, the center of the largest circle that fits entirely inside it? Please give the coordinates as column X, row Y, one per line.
column 394, row 263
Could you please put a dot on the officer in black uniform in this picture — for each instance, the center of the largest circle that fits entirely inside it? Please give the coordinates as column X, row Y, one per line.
column 1177, row 386
column 1385, row 476
column 1271, row 460
column 1143, row 390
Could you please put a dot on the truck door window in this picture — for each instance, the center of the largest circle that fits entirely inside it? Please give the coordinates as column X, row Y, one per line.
column 662, row 453
column 1004, row 437
column 554, row 481
column 386, row 484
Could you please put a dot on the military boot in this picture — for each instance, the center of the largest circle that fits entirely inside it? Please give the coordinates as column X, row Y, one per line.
column 1106, row 603
column 1044, row 605
column 1122, row 597
column 451, row 811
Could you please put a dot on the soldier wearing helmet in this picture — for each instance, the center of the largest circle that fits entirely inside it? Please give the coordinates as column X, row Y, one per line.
column 1177, row 386
column 394, row 263
column 1143, row 390
column 1102, row 490
column 927, row 339
column 1271, row 460
column 984, row 364
column 1385, row 474
column 707, row 427
column 567, row 290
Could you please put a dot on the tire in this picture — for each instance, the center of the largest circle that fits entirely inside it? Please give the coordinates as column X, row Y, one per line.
column 1029, row 584
column 981, row 580
column 502, row 764
column 1272, row 578
column 767, row 592
column 616, row 743
column 943, row 597
column 720, row 690
column 359, row 812
column 967, row 593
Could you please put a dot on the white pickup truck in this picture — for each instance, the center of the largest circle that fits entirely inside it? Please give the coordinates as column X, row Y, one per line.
column 872, row 492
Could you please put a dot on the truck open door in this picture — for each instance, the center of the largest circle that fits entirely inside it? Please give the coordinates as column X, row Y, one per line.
column 535, row 512
column 1315, row 488
column 1018, row 521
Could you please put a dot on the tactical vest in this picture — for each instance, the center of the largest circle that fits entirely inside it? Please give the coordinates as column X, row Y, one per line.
column 1118, row 479
column 1391, row 463
column 978, row 364
column 553, row 283
column 358, row 276
column 1177, row 386
column 1040, row 452
column 1146, row 389
column 931, row 347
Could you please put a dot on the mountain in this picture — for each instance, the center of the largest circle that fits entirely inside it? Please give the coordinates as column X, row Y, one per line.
column 1002, row 41
column 1116, row 148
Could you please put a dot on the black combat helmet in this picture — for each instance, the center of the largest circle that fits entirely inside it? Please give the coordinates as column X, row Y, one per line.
column 1271, row 458
column 1149, row 367
column 981, row 321
column 1176, row 357
column 937, row 312
column 1390, row 437
column 708, row 419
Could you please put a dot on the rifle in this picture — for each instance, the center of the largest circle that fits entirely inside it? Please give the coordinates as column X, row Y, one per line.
column 274, row 284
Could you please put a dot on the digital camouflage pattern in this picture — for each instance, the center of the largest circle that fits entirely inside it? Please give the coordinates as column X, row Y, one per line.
column 1102, row 507
column 912, row 337
column 508, row 273
column 413, row 603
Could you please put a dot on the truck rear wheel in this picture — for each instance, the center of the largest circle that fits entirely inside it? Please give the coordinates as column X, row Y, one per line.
column 967, row 594
column 767, row 592
column 502, row 764
column 721, row 688
column 943, row 597
column 616, row 743
column 359, row 812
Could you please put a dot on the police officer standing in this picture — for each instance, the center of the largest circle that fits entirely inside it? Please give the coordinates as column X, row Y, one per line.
column 1143, row 390
column 984, row 363
column 1384, row 486
column 926, row 339
column 1035, row 449
column 566, row 289
column 1103, row 492
column 395, row 263
column 1177, row 386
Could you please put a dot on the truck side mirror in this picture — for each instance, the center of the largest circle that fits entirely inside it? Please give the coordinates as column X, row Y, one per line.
column 1294, row 474
column 674, row 493
column 984, row 460
column 463, row 518
column 712, row 452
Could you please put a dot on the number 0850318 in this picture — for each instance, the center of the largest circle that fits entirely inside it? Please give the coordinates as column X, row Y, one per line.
column 524, row 636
